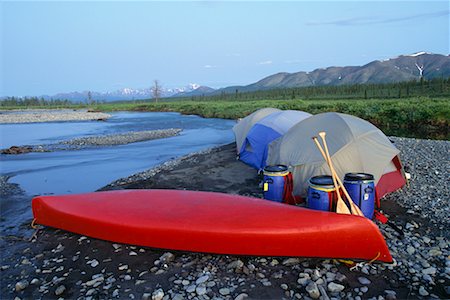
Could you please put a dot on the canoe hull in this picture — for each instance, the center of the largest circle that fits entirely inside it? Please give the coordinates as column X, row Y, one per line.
column 213, row 223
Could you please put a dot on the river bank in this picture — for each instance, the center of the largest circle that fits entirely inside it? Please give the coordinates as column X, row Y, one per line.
column 60, row 264
column 41, row 116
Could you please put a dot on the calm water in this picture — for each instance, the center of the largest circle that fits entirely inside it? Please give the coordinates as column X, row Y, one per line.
column 87, row 170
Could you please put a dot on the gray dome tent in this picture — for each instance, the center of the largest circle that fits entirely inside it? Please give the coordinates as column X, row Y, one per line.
column 355, row 145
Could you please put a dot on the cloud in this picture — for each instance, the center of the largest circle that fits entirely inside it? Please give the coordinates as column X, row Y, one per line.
column 209, row 66
column 234, row 54
column 369, row 20
column 266, row 62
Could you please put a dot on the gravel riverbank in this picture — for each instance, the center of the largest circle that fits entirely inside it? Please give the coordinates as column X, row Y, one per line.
column 96, row 141
column 39, row 116
column 61, row 264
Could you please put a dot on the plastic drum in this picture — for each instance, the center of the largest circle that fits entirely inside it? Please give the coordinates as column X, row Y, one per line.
column 321, row 193
column 274, row 182
column 361, row 188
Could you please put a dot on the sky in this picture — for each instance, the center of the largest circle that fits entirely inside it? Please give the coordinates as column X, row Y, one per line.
column 51, row 47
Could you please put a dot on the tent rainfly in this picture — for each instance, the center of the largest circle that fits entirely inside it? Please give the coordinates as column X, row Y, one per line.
column 254, row 149
column 355, row 145
column 243, row 126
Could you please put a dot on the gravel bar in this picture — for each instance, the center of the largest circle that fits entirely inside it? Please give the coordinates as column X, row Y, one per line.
column 51, row 116
column 123, row 138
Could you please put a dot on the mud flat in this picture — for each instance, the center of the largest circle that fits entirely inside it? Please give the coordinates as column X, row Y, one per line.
column 61, row 264
column 39, row 116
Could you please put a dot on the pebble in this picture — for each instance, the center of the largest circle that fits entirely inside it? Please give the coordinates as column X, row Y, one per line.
column 235, row 265
column 167, row 257
column 202, row 279
column 132, row 253
column 313, row 290
column 59, row 290
column 224, row 291
column 423, row 292
column 200, row 290
column 364, row 280
column 35, row 281
column 429, row 271
column 323, row 293
column 364, row 289
column 158, row 294
column 123, row 267
column 191, row 288
column 93, row 263
column 241, row 296
column 127, row 277
column 284, row 286
column 335, row 287
column 21, row 285
column 291, row 261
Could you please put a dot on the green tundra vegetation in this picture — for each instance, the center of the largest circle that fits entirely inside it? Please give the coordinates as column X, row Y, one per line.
column 412, row 109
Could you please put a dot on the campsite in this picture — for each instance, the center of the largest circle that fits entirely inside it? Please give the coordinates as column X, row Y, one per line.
column 106, row 269
column 224, row 150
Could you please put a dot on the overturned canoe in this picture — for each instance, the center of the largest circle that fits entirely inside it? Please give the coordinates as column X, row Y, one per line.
column 212, row 222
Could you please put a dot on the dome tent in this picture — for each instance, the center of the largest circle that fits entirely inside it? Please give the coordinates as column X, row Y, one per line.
column 254, row 149
column 243, row 126
column 355, row 145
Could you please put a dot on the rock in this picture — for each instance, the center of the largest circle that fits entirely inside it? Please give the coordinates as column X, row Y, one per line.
column 202, row 279
column 116, row 246
column 200, row 290
column 434, row 252
column 17, row 150
column 21, row 285
column 429, row 271
column 35, row 281
column 123, row 267
column 167, row 257
column 284, row 286
column 364, row 289
column 364, row 280
column 93, row 263
column 235, row 265
column 132, row 253
column 158, row 294
column 185, row 282
column 335, row 287
column 241, row 296
column 146, row 296
column 426, row 240
column 191, row 288
column 323, row 293
column 313, row 290
column 340, row 277
column 224, row 291
column 115, row 293
column 291, row 261
column 423, row 292
column 59, row 290
column 410, row 250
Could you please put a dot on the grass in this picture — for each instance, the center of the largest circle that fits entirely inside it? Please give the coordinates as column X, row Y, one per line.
column 418, row 117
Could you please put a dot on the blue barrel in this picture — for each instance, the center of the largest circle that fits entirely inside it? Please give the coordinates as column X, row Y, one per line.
column 273, row 182
column 321, row 193
column 361, row 188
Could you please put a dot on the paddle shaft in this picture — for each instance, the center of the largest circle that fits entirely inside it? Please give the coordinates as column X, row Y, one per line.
column 355, row 208
column 341, row 207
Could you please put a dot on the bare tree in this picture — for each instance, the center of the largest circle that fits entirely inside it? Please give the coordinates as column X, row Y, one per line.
column 156, row 90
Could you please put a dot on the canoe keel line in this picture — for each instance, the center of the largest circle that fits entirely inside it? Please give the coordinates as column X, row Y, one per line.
column 212, row 223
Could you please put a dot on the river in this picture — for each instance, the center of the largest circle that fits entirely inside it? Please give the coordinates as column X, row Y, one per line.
column 87, row 170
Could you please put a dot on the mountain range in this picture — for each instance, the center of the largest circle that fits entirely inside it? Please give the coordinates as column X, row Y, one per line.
column 401, row 68
column 398, row 69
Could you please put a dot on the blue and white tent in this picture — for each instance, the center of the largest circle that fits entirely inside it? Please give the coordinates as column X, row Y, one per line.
column 255, row 146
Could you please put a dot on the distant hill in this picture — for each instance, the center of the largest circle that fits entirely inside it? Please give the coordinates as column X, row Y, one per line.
column 201, row 90
column 402, row 68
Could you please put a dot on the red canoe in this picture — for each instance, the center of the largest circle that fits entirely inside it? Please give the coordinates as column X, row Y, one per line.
column 213, row 223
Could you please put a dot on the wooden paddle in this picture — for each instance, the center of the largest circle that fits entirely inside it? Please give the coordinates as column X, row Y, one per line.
column 341, row 207
column 354, row 208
